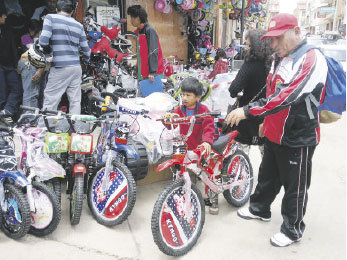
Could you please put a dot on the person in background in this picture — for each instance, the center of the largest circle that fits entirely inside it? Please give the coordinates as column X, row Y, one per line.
column 291, row 134
column 251, row 79
column 149, row 54
column 41, row 12
column 10, row 85
column 32, row 78
column 66, row 37
column 220, row 65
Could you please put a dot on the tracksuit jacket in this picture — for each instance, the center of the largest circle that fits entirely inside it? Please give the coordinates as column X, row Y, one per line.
column 149, row 49
column 286, row 117
column 203, row 130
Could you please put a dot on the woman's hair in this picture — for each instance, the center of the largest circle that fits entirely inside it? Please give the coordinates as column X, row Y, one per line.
column 220, row 54
column 259, row 49
column 137, row 11
column 192, row 85
column 35, row 26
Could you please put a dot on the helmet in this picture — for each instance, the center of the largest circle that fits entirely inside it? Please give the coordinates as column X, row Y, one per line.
column 37, row 57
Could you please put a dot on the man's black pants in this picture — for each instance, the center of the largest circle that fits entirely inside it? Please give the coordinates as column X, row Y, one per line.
column 291, row 168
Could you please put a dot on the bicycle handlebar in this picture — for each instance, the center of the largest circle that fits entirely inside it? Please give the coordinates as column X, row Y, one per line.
column 185, row 120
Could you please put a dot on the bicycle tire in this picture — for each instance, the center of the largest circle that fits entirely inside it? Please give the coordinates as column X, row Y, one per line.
column 232, row 195
column 165, row 233
column 122, row 203
column 55, row 207
column 23, row 209
column 76, row 200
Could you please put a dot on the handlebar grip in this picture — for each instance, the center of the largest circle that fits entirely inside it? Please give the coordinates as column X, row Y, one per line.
column 214, row 113
column 28, row 108
column 53, row 112
column 96, row 98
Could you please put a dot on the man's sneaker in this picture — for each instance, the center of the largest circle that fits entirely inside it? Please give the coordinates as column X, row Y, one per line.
column 282, row 240
column 246, row 214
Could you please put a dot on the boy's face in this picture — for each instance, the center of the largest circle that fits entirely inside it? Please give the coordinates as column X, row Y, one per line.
column 189, row 99
column 135, row 21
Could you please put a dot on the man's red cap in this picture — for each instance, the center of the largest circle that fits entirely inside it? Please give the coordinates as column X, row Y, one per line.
column 279, row 24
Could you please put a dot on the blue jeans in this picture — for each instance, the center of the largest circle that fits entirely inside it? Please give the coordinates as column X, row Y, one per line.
column 10, row 89
column 31, row 90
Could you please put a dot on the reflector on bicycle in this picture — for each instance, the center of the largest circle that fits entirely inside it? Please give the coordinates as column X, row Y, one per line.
column 179, row 149
column 122, row 133
column 81, row 143
column 57, row 143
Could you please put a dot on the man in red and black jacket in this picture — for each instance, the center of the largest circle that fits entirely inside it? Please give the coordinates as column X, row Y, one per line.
column 290, row 128
column 149, row 55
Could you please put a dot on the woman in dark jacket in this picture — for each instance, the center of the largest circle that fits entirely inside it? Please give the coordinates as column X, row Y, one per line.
column 251, row 79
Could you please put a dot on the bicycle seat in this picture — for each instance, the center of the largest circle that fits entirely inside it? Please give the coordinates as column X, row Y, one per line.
column 220, row 144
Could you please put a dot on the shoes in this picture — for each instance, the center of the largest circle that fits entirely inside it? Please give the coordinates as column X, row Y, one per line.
column 6, row 116
column 246, row 214
column 214, row 209
column 281, row 240
column 207, row 202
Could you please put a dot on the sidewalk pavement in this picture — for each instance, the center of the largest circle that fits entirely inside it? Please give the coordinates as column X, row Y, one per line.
column 225, row 236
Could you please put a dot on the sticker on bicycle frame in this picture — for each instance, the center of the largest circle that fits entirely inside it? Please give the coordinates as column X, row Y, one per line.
column 57, row 143
column 81, row 143
column 112, row 202
column 177, row 230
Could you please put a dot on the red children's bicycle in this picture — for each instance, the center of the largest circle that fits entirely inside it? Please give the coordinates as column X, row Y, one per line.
column 179, row 212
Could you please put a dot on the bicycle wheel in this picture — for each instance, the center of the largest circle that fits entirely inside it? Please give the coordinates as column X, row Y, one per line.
column 126, row 43
column 76, row 200
column 238, row 163
column 55, row 185
column 16, row 218
column 47, row 216
column 113, row 206
column 173, row 233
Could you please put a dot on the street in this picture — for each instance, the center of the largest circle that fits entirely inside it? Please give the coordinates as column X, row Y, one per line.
column 225, row 236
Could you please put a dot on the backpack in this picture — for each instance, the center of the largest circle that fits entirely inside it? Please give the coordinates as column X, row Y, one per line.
column 334, row 102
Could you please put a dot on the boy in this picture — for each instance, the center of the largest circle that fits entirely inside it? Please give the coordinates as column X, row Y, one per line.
column 203, row 131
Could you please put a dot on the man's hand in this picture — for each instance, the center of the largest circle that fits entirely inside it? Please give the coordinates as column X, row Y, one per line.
column 207, row 147
column 235, row 116
column 151, row 78
column 261, row 133
column 37, row 76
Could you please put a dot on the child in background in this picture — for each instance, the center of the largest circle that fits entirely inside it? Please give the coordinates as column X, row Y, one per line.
column 203, row 131
column 32, row 78
column 221, row 64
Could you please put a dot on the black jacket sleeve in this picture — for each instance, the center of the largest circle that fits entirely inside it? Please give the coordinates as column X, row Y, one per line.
column 153, row 49
column 240, row 81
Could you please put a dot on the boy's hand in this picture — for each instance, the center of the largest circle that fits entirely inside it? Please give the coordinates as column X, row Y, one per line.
column 207, row 147
column 37, row 76
column 151, row 78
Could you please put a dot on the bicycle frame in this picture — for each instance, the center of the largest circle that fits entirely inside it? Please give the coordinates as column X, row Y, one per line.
column 208, row 168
